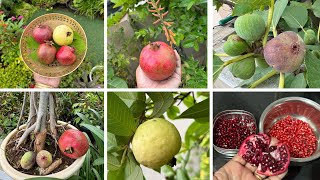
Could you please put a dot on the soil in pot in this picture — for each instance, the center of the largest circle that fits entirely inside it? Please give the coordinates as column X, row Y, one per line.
column 14, row 155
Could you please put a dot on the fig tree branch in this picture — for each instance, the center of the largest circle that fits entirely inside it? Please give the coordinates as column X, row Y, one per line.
column 22, row 109
column 32, row 111
column 26, row 133
column 52, row 114
column 270, row 15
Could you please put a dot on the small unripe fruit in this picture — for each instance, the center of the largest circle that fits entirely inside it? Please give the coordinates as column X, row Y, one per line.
column 28, row 160
column 235, row 46
column 250, row 27
column 310, row 37
column 44, row 159
column 243, row 69
column 260, row 62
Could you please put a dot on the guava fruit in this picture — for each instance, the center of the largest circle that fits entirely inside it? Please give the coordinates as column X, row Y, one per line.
column 235, row 46
column 243, row 69
column 285, row 53
column 155, row 143
column 310, row 37
column 63, row 35
column 28, row 160
column 250, row 27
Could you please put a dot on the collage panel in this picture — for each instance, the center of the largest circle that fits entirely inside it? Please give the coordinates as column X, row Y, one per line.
column 51, row 44
column 157, row 44
column 266, row 44
column 158, row 135
column 261, row 135
column 58, row 135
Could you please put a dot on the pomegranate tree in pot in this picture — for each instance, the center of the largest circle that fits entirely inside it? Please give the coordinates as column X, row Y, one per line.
column 32, row 149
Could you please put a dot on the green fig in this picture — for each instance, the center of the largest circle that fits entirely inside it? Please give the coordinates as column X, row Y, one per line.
column 310, row 37
column 243, row 69
column 28, row 160
column 235, row 46
column 260, row 62
column 250, row 27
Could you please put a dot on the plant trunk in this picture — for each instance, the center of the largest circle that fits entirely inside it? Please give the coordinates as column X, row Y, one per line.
column 40, row 129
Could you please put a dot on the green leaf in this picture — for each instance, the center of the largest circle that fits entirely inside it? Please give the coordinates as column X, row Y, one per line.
column 111, row 142
column 94, row 130
column 199, row 110
column 316, row 8
column 96, row 174
column 135, row 101
column 120, row 120
column 247, row 6
column 98, row 162
column 117, row 82
column 173, row 111
column 110, row 72
column 132, row 168
column 194, row 131
column 295, row 16
column 279, row 7
column 189, row 101
column 259, row 73
column 297, row 81
column 168, row 171
column 313, row 73
column 113, row 162
column 217, row 63
column 78, row 43
column 182, row 174
column 83, row 117
column 162, row 101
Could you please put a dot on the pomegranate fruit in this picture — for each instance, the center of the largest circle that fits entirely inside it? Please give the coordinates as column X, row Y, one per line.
column 46, row 52
column 270, row 159
column 73, row 143
column 229, row 131
column 297, row 135
column 42, row 33
column 66, row 56
column 158, row 61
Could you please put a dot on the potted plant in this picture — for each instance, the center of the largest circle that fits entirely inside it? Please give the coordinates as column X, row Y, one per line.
column 37, row 135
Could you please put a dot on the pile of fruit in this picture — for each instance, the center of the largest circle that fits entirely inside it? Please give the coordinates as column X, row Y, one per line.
column 72, row 143
column 284, row 53
column 47, row 52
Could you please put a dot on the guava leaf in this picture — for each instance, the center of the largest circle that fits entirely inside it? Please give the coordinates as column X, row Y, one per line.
column 313, row 73
column 117, row 82
column 135, row 101
column 173, row 112
column 199, row 110
column 116, row 170
column 279, row 7
column 120, row 120
column 295, row 16
column 247, row 6
column 297, row 81
column 316, row 8
column 132, row 168
column 188, row 101
column 162, row 101
column 194, row 131
column 217, row 63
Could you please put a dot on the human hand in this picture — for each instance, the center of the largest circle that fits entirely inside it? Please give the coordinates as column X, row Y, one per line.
column 45, row 82
column 172, row 82
column 238, row 169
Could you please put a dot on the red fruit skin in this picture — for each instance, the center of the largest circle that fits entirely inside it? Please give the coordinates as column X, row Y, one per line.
column 66, row 56
column 260, row 155
column 73, row 143
column 42, row 33
column 46, row 53
column 158, row 61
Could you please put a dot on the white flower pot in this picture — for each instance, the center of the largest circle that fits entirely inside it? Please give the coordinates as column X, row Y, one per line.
column 73, row 169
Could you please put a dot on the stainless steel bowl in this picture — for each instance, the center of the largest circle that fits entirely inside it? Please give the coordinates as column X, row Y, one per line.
column 297, row 107
column 229, row 114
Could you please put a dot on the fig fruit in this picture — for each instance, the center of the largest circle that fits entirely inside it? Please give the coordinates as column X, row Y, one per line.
column 28, row 160
column 66, row 56
column 155, row 143
column 286, row 52
column 310, row 37
column 158, row 61
column 243, row 69
column 73, row 143
column 235, row 45
column 44, row 159
column 250, row 27
column 260, row 62
column 42, row 33
column 63, row 35
column 46, row 52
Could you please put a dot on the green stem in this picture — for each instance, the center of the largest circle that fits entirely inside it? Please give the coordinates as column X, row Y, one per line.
column 270, row 15
column 221, row 55
column 319, row 33
column 264, row 78
column 281, row 81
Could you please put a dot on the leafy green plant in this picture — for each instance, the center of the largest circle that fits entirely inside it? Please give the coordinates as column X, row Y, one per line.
column 44, row 3
column 281, row 16
column 126, row 111
column 195, row 74
column 89, row 8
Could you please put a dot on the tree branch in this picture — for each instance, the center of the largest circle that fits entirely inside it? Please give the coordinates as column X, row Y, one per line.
column 22, row 109
column 52, row 115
